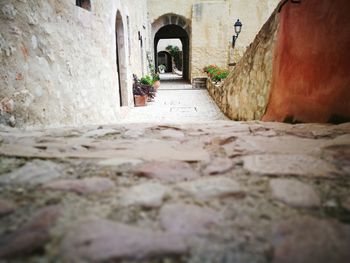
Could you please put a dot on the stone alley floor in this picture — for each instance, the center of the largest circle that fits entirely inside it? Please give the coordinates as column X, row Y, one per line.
column 211, row 192
column 176, row 101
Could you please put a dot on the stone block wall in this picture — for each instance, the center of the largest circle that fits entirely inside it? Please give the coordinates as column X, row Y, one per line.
column 244, row 94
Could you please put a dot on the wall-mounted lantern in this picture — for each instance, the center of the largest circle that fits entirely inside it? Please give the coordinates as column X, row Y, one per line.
column 238, row 27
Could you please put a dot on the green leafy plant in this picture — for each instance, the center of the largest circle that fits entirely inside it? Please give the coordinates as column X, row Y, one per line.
column 220, row 75
column 176, row 53
column 210, row 69
column 147, row 80
column 216, row 73
column 142, row 89
column 151, row 67
column 156, row 77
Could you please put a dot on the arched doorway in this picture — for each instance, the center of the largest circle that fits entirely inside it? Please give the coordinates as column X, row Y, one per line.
column 165, row 58
column 121, row 60
column 171, row 26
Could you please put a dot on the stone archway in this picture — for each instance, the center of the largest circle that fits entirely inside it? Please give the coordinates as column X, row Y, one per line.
column 172, row 26
column 121, row 59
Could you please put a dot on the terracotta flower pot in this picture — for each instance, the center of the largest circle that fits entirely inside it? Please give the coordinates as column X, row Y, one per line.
column 140, row 101
column 156, row 84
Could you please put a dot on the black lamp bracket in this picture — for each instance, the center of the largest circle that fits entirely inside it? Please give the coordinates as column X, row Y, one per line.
column 234, row 38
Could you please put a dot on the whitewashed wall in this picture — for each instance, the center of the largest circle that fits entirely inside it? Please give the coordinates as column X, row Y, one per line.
column 58, row 61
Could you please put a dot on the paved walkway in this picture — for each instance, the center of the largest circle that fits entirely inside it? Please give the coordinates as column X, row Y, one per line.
column 170, row 76
column 216, row 192
column 176, row 102
column 200, row 190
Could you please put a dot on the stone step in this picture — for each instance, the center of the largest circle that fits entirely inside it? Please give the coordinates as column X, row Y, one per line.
column 199, row 83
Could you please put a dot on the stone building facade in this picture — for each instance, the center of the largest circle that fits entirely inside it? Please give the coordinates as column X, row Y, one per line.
column 291, row 72
column 209, row 24
column 244, row 95
column 65, row 64
column 58, row 60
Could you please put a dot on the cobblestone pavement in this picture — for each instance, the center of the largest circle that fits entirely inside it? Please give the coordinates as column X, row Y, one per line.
column 215, row 192
column 176, row 101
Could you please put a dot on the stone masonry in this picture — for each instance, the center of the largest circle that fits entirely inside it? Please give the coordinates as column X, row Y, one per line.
column 210, row 24
column 222, row 192
column 58, row 61
column 244, row 95
column 174, row 182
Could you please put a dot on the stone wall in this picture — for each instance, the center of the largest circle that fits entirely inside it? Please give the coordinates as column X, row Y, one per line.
column 211, row 35
column 211, row 27
column 253, row 14
column 58, row 61
column 244, row 94
column 311, row 72
column 136, row 10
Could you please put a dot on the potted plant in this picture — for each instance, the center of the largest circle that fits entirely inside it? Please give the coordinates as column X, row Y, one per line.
column 156, row 81
column 147, row 86
column 219, row 76
column 162, row 68
column 215, row 73
column 155, row 76
column 139, row 92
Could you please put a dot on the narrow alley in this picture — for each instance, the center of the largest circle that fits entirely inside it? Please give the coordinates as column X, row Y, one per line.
column 252, row 167
column 176, row 102
column 219, row 191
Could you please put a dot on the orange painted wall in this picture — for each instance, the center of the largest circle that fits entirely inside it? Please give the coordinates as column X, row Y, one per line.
column 311, row 74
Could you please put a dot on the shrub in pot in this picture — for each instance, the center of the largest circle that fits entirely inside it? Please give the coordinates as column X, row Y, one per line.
column 216, row 73
column 147, row 83
column 156, row 81
column 144, row 89
column 146, row 80
column 140, row 96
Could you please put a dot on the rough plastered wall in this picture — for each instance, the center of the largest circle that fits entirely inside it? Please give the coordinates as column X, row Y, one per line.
column 157, row 8
column 212, row 26
column 311, row 81
column 244, row 94
column 211, row 32
column 58, row 62
column 136, row 10
column 253, row 14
